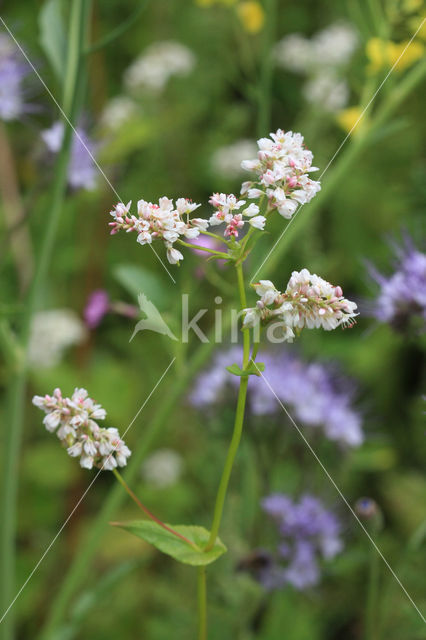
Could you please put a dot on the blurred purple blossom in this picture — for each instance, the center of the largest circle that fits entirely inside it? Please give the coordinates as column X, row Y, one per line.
column 12, row 72
column 402, row 296
column 82, row 170
column 209, row 243
column 97, row 306
column 308, row 533
column 314, row 393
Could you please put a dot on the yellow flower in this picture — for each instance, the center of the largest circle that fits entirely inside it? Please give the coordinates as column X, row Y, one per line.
column 251, row 15
column 385, row 54
column 348, row 118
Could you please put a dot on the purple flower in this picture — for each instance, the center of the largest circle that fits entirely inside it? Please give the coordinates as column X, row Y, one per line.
column 314, row 394
column 12, row 72
column 97, row 306
column 308, row 533
column 81, row 170
column 402, row 296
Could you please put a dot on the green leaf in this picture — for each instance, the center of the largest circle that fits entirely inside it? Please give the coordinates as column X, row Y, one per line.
column 137, row 280
column 253, row 369
column 52, row 36
column 173, row 546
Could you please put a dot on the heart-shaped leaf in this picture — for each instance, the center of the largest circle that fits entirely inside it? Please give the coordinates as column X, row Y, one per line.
column 173, row 546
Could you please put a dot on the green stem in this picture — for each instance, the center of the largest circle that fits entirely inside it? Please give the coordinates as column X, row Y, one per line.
column 148, row 513
column 118, row 31
column 10, row 348
column 238, row 425
column 254, row 351
column 202, row 603
column 219, row 254
column 18, row 383
column 215, row 236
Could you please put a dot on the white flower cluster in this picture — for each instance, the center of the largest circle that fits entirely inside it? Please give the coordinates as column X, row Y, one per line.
column 326, row 90
column 118, row 111
column 226, row 161
column 162, row 468
column 322, row 59
column 228, row 211
column 331, row 47
column 308, row 301
column 282, row 164
column 52, row 332
column 159, row 62
column 74, row 420
column 162, row 220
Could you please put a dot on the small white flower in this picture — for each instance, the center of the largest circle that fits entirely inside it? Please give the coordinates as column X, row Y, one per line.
column 258, row 222
column 75, row 450
column 90, row 448
column 109, row 463
column 144, row 238
column 86, row 462
column 266, row 290
column 173, row 255
column 52, row 420
column 251, row 210
column 254, row 193
column 251, row 317
column 98, row 413
column 200, row 223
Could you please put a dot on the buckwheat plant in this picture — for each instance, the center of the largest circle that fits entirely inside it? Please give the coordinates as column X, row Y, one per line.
column 281, row 182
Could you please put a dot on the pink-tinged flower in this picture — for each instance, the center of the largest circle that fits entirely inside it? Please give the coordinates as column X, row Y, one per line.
column 228, row 212
column 308, row 301
column 74, row 420
column 282, row 166
column 96, row 308
column 163, row 221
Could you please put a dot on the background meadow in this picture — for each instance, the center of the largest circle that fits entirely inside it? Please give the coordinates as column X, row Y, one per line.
column 172, row 105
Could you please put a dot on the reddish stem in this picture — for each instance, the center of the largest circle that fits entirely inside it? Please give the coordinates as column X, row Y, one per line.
column 148, row 512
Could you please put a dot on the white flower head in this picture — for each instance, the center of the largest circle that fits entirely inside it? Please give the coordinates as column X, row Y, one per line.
column 74, row 421
column 162, row 468
column 308, row 301
column 157, row 64
column 52, row 333
column 283, row 165
column 164, row 221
